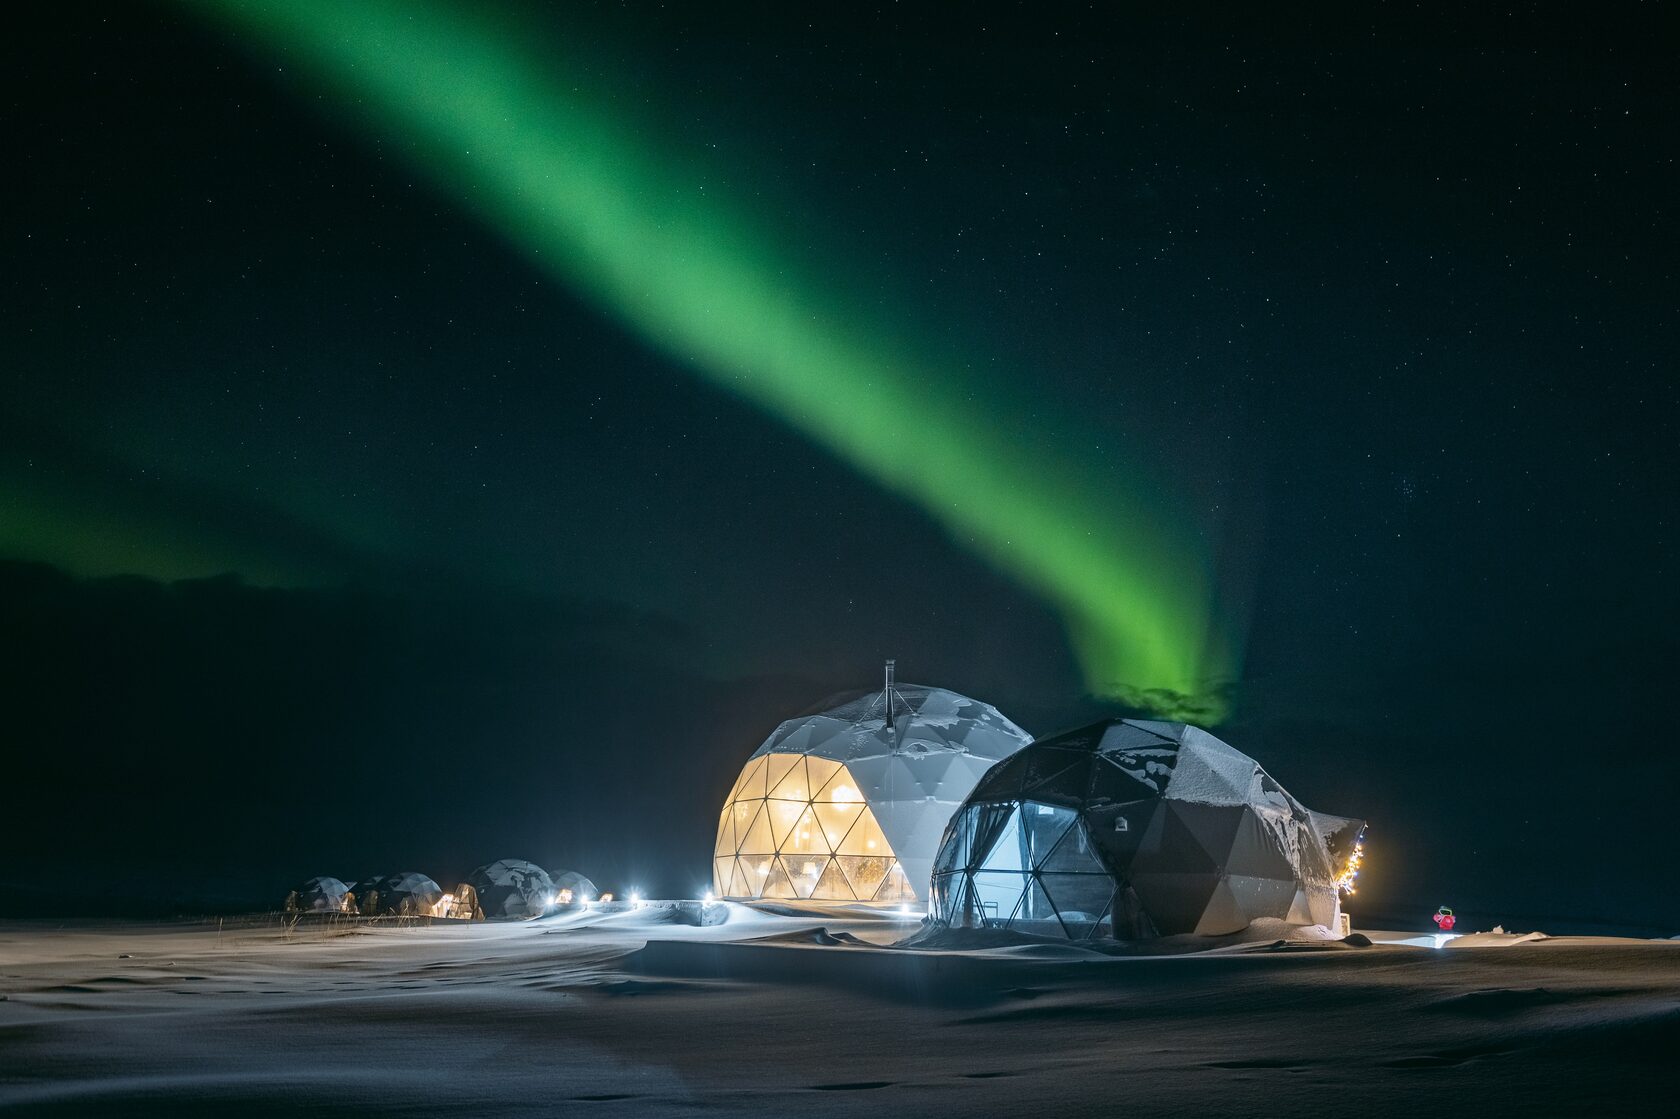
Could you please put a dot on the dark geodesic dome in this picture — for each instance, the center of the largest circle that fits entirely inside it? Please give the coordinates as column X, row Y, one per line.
column 512, row 889
column 408, row 894
column 1134, row 828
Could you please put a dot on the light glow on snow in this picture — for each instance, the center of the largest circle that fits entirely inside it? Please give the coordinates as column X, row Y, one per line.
column 706, row 264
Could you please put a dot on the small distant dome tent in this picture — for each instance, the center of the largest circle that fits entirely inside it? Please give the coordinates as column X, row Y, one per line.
column 321, row 895
column 409, row 894
column 1135, row 828
column 512, row 889
column 572, row 888
column 848, row 803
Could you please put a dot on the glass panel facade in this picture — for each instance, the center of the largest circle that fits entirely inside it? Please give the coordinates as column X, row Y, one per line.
column 1027, row 866
column 1171, row 831
column 801, row 828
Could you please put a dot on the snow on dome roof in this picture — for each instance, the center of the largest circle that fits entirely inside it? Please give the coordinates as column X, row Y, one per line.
column 845, row 804
column 853, row 726
column 320, row 895
column 408, row 893
column 1134, row 827
column 512, row 889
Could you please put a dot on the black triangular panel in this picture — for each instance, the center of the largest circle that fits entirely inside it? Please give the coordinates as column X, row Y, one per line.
column 1175, row 902
column 1117, row 830
column 1111, row 783
column 1056, row 774
column 1214, row 826
column 1170, row 847
column 1003, row 780
column 1256, row 852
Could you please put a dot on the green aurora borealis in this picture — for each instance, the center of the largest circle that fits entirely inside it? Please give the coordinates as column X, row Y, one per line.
column 701, row 268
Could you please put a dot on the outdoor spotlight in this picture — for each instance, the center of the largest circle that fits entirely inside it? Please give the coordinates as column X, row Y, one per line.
column 710, row 897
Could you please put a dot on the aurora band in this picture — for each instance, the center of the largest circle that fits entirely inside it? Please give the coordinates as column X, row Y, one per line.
column 706, row 276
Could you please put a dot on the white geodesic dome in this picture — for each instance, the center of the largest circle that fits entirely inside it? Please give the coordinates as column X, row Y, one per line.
column 321, row 895
column 572, row 888
column 848, row 803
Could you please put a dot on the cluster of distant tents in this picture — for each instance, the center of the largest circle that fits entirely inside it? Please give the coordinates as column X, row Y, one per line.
column 507, row 889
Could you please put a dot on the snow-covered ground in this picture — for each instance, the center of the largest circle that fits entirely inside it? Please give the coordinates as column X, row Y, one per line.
column 633, row 1013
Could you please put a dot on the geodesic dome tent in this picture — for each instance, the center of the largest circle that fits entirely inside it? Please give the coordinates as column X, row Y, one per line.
column 512, row 889
column 321, row 895
column 848, row 803
column 571, row 888
column 1132, row 828
column 409, row 894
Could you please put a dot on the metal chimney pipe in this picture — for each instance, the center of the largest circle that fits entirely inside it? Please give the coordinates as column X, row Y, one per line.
column 886, row 693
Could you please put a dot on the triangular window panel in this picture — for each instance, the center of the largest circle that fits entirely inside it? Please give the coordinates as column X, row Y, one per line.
column 777, row 767
column 741, row 818
column 738, row 887
column 839, row 787
column 757, row 840
column 1073, row 854
column 895, row 886
column 1007, row 851
column 1038, row 913
column 953, row 850
column 725, row 834
column 778, row 885
column 865, row 838
column 998, row 894
column 751, row 782
column 794, row 785
column 822, row 773
column 942, row 897
column 832, row 886
column 1080, row 899
column 1042, row 827
column 836, row 820
column 723, row 873
column 806, row 835
column 1105, row 924
column 864, row 872
column 783, row 815
column 755, row 871
column 989, row 823
column 804, row 871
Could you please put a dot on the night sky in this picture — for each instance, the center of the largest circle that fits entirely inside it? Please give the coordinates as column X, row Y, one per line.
column 361, row 512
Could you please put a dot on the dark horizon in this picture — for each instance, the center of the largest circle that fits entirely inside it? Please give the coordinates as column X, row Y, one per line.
column 339, row 536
